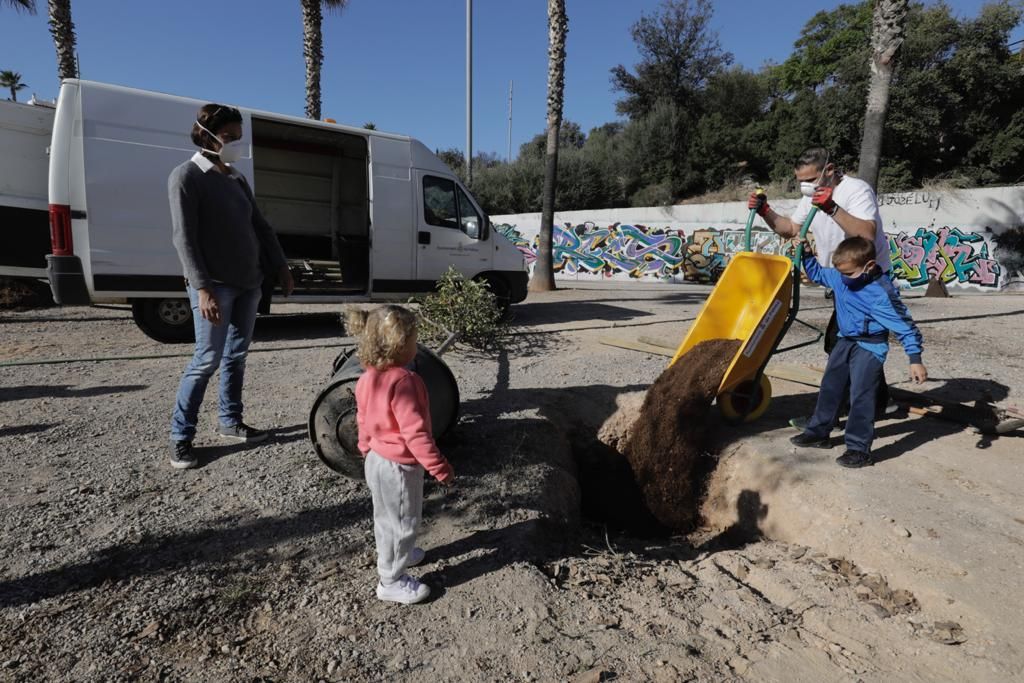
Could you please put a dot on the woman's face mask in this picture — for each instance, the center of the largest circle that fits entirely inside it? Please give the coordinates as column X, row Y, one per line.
column 229, row 152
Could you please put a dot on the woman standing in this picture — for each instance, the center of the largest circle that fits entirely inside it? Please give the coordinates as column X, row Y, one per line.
column 219, row 234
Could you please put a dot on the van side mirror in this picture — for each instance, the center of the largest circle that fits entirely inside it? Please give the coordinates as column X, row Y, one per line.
column 472, row 229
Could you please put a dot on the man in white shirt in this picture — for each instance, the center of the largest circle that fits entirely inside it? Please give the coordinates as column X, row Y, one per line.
column 847, row 207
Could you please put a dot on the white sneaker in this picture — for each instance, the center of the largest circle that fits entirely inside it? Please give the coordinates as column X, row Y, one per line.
column 415, row 557
column 406, row 590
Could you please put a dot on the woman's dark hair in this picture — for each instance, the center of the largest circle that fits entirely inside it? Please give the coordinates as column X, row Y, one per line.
column 213, row 117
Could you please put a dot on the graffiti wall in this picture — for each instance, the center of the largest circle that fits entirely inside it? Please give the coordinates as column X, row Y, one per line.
column 948, row 237
column 948, row 254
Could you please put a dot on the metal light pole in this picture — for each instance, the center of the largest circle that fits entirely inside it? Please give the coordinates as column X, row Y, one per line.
column 469, row 92
column 508, row 157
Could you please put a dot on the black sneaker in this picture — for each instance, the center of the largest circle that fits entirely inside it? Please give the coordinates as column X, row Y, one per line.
column 242, row 432
column 854, row 459
column 806, row 440
column 182, row 457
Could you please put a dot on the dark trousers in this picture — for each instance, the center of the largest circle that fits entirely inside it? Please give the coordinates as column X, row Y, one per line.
column 831, row 337
column 855, row 373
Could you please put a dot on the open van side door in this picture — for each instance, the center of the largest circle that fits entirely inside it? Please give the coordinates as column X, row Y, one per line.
column 451, row 230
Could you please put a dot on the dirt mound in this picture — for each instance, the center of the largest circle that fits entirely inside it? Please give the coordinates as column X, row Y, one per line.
column 668, row 438
column 21, row 293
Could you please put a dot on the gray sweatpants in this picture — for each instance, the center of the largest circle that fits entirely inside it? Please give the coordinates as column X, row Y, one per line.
column 397, row 492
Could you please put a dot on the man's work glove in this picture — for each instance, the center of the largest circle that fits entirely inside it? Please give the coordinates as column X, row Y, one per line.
column 758, row 201
column 823, row 200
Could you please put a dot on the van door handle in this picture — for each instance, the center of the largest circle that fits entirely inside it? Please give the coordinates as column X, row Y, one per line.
column 424, row 237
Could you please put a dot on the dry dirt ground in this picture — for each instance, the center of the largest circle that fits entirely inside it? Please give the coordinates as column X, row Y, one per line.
column 258, row 566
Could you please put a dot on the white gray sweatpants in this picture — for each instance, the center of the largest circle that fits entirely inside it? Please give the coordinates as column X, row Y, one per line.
column 397, row 492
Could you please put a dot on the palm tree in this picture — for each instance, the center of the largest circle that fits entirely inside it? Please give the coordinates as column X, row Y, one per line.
column 543, row 279
column 61, row 28
column 886, row 37
column 313, row 48
column 12, row 80
column 27, row 5
column 63, row 31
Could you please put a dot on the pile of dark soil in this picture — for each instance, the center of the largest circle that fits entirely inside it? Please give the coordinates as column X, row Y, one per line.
column 20, row 293
column 668, row 438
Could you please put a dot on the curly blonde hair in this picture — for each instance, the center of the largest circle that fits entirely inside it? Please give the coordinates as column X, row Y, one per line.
column 383, row 334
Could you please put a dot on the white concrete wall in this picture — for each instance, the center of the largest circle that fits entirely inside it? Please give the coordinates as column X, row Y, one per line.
column 947, row 234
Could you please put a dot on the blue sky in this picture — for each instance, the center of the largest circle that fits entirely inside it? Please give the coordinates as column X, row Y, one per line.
column 398, row 63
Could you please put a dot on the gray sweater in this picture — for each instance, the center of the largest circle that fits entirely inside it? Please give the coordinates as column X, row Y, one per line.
column 217, row 229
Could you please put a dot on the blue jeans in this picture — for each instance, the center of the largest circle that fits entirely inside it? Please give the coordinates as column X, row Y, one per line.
column 224, row 345
column 855, row 372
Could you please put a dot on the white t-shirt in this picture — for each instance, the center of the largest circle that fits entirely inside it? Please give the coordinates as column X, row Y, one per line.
column 856, row 198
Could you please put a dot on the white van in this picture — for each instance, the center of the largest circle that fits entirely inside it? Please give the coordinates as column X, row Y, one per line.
column 361, row 215
column 25, row 130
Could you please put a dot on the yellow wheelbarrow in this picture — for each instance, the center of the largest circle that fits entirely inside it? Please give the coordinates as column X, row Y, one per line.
column 751, row 302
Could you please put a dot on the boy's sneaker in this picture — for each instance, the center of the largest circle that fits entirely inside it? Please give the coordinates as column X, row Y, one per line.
column 800, row 423
column 890, row 410
column 406, row 590
column 415, row 557
column 854, row 459
column 242, row 432
column 806, row 440
column 182, row 457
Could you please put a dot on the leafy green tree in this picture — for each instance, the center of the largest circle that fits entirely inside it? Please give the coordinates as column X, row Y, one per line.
column 679, row 52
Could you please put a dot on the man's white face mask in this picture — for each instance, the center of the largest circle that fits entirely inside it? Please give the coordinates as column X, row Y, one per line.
column 807, row 189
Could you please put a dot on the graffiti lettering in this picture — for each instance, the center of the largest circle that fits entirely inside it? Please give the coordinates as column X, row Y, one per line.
column 910, row 199
column 948, row 254
column 585, row 248
column 709, row 250
column 638, row 251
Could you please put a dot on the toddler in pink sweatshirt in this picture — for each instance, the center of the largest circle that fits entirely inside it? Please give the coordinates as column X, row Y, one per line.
column 395, row 437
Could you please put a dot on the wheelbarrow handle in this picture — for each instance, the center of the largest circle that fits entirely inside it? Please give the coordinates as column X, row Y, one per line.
column 799, row 256
column 750, row 223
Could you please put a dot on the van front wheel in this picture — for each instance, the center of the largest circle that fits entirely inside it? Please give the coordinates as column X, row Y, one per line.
column 501, row 290
column 165, row 320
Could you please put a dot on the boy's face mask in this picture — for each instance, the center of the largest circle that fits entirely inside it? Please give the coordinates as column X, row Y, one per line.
column 860, row 277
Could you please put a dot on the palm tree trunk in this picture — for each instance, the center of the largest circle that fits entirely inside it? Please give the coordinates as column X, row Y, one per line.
column 886, row 38
column 63, row 31
column 313, row 51
column 543, row 279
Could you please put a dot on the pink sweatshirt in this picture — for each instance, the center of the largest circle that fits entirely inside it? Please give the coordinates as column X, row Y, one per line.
column 393, row 412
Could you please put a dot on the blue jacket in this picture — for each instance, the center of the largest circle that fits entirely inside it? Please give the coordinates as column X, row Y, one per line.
column 867, row 315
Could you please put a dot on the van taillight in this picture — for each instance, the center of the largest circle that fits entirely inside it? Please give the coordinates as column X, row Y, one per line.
column 60, row 230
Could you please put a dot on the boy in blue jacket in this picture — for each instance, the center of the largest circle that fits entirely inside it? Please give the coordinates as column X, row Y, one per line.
column 868, row 307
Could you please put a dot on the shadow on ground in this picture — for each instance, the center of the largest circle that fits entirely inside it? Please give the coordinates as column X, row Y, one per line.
column 155, row 554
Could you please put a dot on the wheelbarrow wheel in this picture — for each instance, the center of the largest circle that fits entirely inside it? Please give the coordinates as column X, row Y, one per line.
column 747, row 402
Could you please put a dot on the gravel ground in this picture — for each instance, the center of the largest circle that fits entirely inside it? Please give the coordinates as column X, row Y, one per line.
column 259, row 565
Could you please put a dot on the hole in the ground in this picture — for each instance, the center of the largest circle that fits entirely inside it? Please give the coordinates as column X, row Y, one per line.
column 609, row 494
column 645, row 471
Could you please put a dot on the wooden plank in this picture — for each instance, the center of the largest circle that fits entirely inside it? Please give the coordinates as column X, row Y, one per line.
column 637, row 346
column 794, row 373
column 658, row 341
